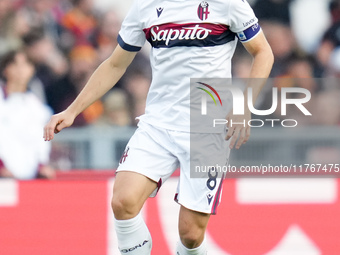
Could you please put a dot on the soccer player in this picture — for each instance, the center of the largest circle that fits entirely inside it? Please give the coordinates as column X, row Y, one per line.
column 189, row 39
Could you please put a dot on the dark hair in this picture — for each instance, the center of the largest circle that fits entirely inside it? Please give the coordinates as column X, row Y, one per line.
column 6, row 60
column 34, row 36
column 9, row 58
column 333, row 5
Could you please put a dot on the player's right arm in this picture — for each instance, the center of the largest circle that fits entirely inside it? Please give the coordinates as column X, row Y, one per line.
column 104, row 78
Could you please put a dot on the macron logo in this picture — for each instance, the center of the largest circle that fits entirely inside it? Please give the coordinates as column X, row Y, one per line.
column 159, row 11
column 209, row 197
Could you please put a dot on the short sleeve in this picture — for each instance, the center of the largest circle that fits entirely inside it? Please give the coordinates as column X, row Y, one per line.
column 131, row 36
column 242, row 20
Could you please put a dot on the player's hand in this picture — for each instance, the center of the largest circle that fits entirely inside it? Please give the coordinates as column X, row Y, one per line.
column 57, row 123
column 239, row 133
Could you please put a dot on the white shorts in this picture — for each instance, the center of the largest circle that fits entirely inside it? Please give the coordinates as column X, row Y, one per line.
column 156, row 153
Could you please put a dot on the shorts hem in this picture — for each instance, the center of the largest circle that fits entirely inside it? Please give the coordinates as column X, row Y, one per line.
column 194, row 209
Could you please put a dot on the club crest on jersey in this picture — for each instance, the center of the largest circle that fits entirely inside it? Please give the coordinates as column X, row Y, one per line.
column 124, row 156
column 203, row 10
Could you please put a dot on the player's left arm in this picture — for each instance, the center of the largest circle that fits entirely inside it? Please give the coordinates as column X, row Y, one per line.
column 263, row 60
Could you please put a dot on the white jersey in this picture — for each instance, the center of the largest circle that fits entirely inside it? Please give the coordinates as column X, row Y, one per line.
column 189, row 39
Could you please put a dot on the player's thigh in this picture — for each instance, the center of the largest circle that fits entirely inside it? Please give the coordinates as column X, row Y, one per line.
column 192, row 226
column 130, row 191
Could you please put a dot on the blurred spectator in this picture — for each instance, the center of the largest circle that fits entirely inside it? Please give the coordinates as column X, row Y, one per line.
column 309, row 20
column 241, row 63
column 327, row 108
column 331, row 38
column 105, row 36
column 334, row 9
column 39, row 15
column 299, row 73
column 300, row 67
column 273, row 10
column 12, row 27
column 334, row 63
column 83, row 61
column 117, row 110
column 303, row 68
column 80, row 21
column 282, row 41
column 275, row 20
column 23, row 153
column 138, row 86
column 48, row 59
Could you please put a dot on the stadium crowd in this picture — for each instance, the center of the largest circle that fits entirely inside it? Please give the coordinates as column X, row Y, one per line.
column 67, row 39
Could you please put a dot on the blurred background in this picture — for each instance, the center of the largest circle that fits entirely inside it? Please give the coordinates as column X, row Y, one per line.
column 48, row 50
column 66, row 40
